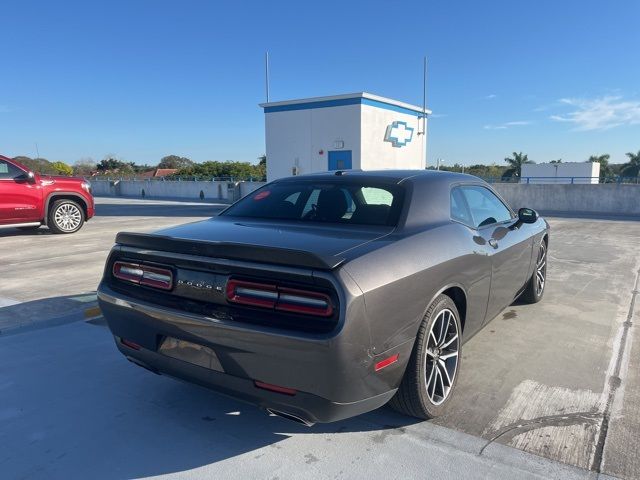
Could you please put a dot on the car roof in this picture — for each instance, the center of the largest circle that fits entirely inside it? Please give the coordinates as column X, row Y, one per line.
column 425, row 186
column 393, row 176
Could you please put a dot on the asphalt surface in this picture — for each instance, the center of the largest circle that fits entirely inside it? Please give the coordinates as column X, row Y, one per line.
column 545, row 391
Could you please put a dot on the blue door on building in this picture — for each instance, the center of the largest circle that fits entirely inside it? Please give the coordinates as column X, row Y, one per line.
column 339, row 159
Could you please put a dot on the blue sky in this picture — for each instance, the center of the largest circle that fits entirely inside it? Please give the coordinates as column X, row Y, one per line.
column 142, row 79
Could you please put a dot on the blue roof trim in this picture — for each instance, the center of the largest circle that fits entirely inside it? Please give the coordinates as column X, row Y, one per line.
column 393, row 108
column 340, row 103
column 309, row 105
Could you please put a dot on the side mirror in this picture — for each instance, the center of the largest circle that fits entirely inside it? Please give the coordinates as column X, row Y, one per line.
column 527, row 215
column 31, row 177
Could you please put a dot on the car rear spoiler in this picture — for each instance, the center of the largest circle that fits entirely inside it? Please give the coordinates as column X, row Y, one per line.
column 230, row 250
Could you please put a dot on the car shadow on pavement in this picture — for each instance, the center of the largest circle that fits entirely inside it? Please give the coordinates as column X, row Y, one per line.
column 17, row 317
column 14, row 232
column 72, row 403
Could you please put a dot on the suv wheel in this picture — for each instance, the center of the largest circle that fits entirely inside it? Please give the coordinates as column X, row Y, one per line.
column 65, row 216
column 430, row 379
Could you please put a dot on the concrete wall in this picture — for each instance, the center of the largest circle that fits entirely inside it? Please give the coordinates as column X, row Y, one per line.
column 377, row 154
column 219, row 191
column 559, row 172
column 610, row 199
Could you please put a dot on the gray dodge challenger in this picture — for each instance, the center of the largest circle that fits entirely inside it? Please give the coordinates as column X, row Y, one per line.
column 323, row 296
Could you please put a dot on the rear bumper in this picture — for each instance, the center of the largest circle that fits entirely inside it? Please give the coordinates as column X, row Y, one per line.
column 307, row 406
column 334, row 377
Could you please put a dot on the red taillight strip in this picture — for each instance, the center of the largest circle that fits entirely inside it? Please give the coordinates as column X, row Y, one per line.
column 301, row 301
column 275, row 388
column 127, row 271
column 161, row 278
column 279, row 298
column 157, row 277
column 251, row 293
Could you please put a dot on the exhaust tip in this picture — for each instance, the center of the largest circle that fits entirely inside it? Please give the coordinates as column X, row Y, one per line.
column 290, row 416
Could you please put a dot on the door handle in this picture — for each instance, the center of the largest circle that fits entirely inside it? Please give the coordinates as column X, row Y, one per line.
column 493, row 242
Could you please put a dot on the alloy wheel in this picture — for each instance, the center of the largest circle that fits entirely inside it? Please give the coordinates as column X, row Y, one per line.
column 68, row 217
column 541, row 269
column 442, row 356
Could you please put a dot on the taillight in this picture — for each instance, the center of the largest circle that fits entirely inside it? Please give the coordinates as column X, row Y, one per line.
column 254, row 294
column 139, row 274
column 279, row 298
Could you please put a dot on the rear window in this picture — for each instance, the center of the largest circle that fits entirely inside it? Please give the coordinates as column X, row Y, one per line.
column 355, row 203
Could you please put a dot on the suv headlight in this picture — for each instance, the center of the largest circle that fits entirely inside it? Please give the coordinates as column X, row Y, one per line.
column 86, row 186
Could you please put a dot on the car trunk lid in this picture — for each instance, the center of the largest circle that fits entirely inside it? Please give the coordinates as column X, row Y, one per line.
column 283, row 243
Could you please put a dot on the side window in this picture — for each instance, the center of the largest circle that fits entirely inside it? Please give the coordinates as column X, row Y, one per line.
column 485, row 207
column 459, row 209
column 311, row 201
column 376, row 196
column 9, row 171
column 293, row 198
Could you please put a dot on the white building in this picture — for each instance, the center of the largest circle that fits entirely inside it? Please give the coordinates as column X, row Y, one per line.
column 358, row 130
column 570, row 172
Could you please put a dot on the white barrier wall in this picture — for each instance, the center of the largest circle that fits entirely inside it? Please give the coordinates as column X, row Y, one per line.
column 613, row 199
column 604, row 198
column 220, row 191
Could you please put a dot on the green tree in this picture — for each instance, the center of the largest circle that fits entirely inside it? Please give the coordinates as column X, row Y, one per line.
column 262, row 165
column 110, row 164
column 174, row 161
column 62, row 168
column 84, row 167
column 605, row 168
column 38, row 165
column 632, row 167
column 515, row 163
column 236, row 170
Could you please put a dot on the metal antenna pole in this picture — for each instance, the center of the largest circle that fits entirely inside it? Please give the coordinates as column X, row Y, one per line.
column 424, row 95
column 266, row 72
column 424, row 111
column 37, row 151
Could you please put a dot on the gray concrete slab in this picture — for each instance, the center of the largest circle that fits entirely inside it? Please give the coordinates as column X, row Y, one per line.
column 39, row 264
column 538, row 377
column 73, row 408
column 558, row 379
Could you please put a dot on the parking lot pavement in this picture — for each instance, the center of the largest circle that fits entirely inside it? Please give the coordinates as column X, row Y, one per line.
column 39, row 269
column 73, row 408
column 558, row 379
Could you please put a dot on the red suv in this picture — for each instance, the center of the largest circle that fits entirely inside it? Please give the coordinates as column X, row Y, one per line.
column 29, row 200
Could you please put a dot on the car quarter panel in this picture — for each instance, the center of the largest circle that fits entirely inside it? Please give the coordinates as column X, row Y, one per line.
column 401, row 279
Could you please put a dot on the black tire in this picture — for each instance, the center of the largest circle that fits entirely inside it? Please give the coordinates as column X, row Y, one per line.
column 535, row 288
column 412, row 397
column 65, row 216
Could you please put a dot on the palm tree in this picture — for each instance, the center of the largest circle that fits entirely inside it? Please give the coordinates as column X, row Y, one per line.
column 515, row 164
column 632, row 167
column 605, row 169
